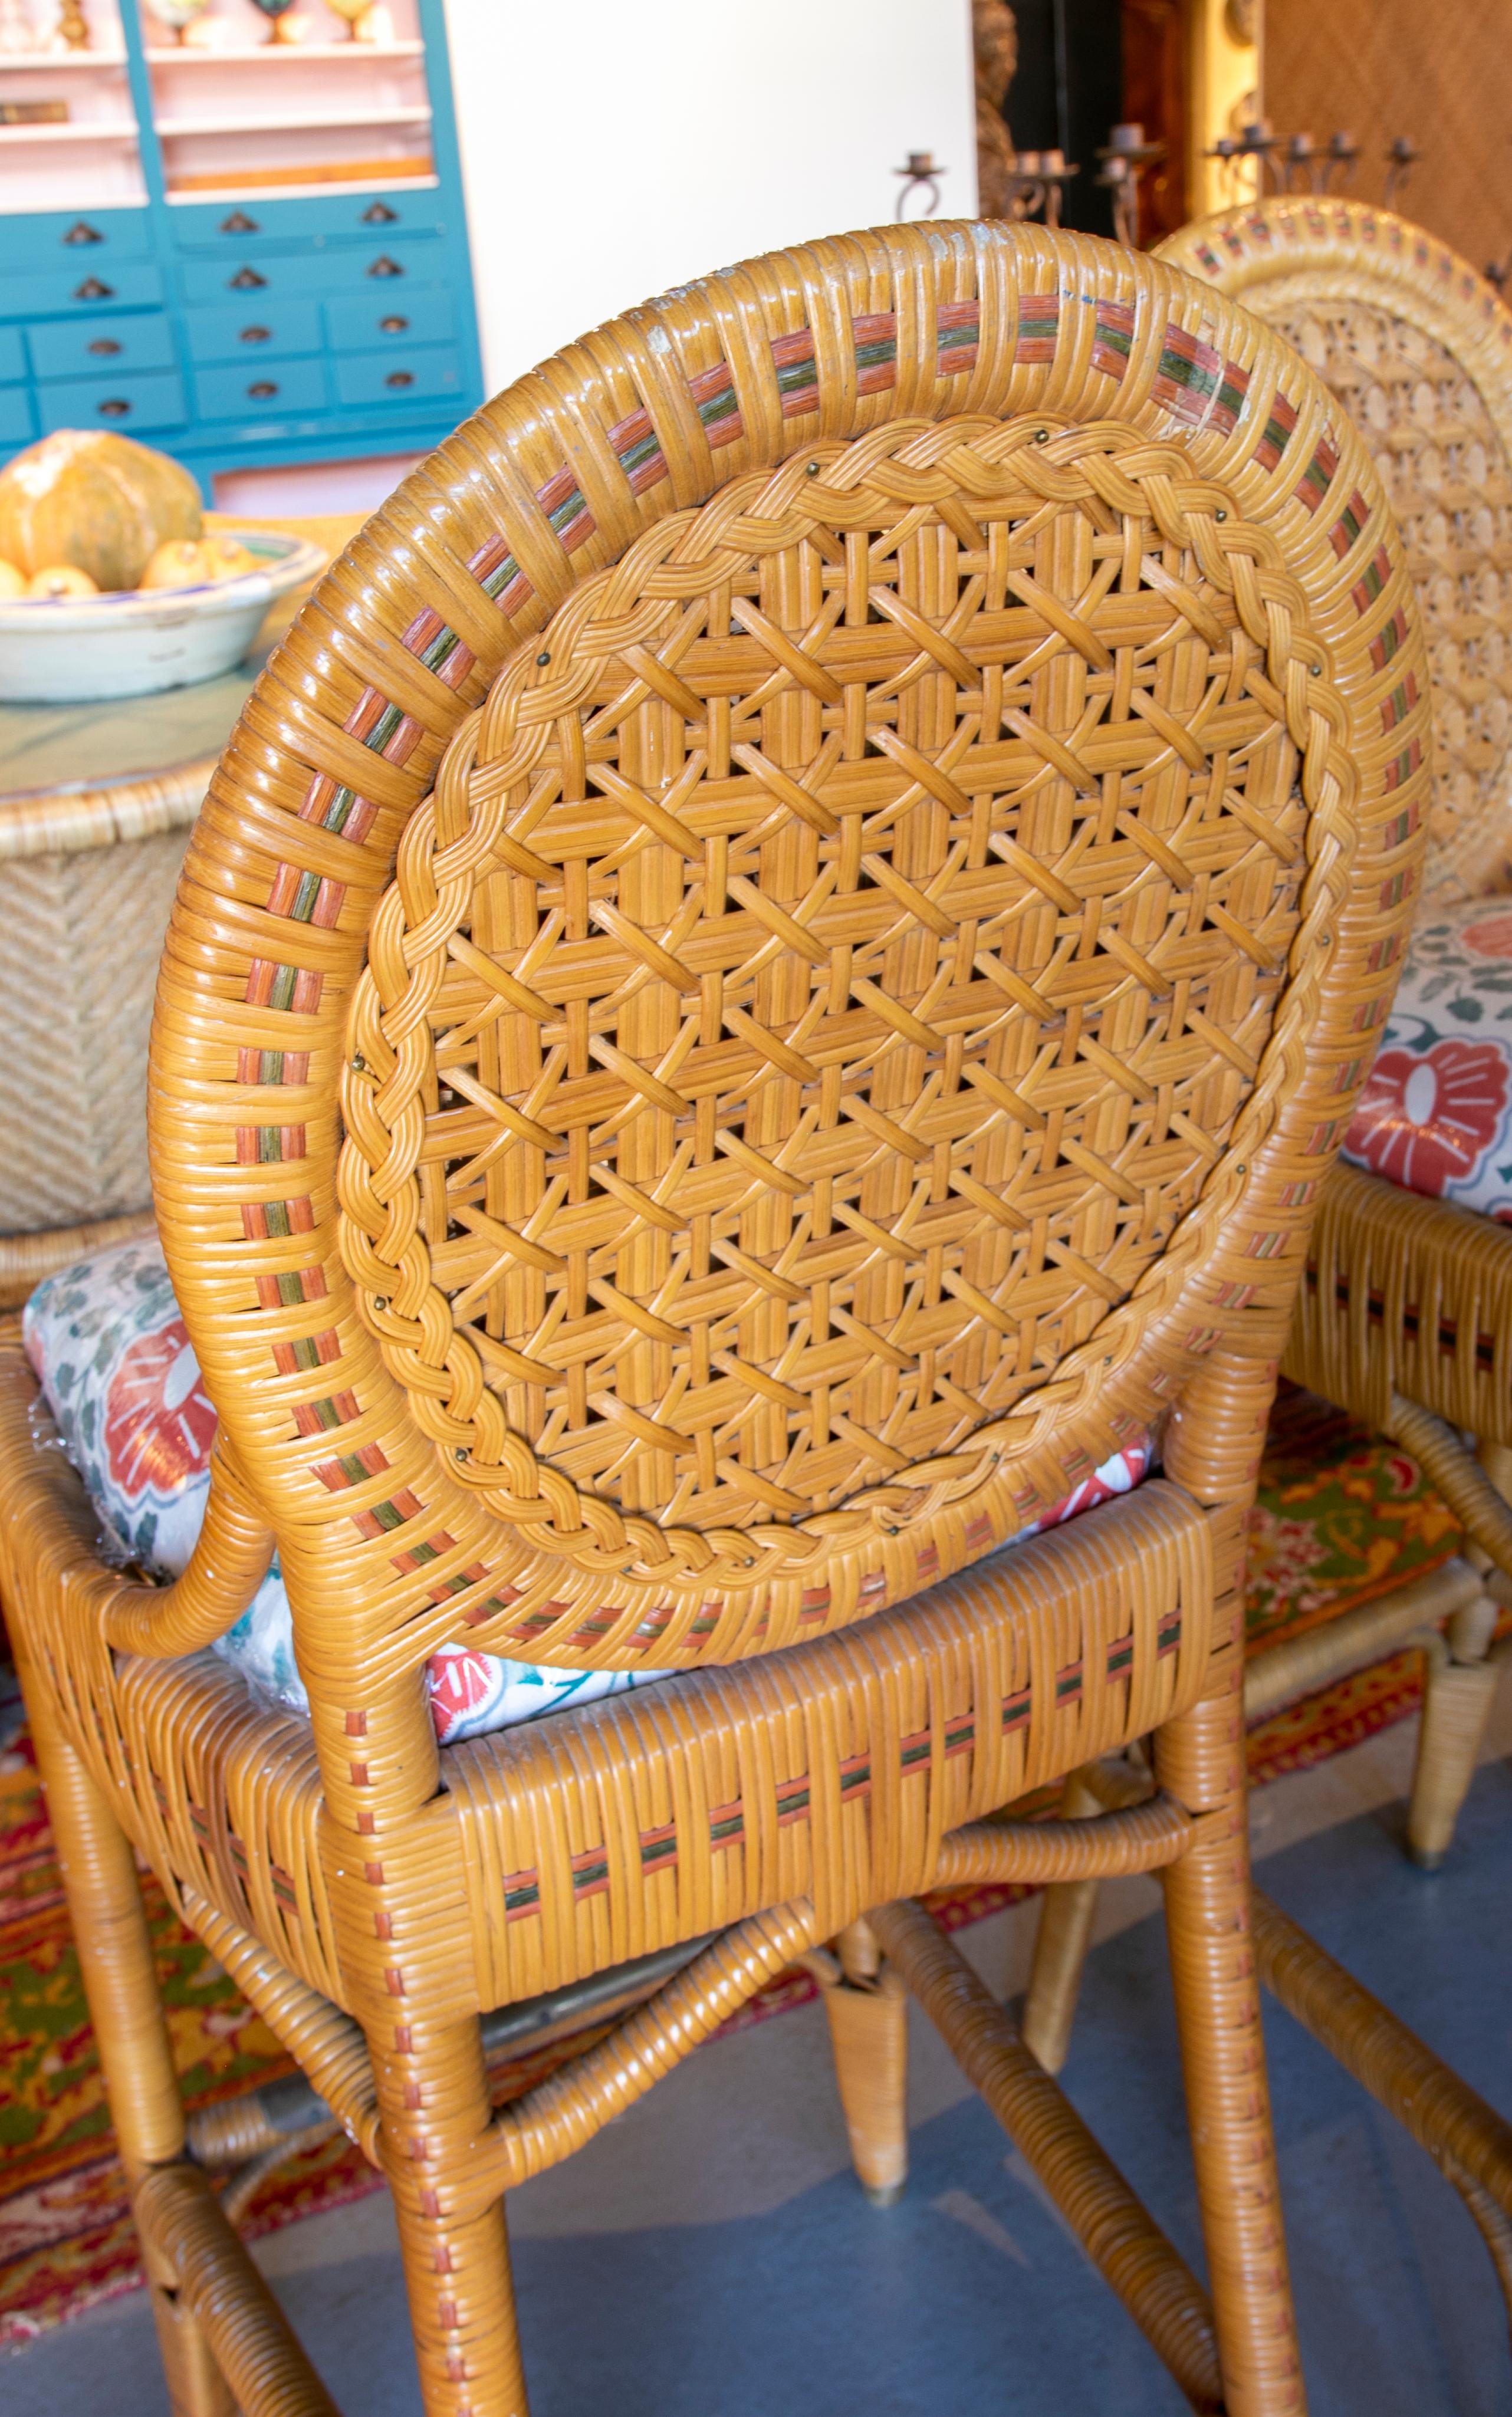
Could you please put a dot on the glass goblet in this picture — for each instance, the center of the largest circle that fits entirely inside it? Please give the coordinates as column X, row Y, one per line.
column 177, row 14
column 275, row 11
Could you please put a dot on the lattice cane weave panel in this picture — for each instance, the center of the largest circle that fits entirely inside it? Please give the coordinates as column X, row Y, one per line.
column 1447, row 476
column 1418, row 349
column 828, row 964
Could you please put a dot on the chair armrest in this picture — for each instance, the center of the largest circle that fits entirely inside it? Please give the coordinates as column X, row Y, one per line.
column 52, row 1538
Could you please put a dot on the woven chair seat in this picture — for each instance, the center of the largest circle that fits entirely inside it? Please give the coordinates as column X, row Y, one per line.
column 833, row 1769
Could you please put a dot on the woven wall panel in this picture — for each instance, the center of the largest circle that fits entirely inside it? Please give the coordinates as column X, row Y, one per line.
column 1384, row 67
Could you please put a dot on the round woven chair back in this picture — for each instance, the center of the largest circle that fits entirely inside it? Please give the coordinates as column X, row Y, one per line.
column 789, row 927
column 1418, row 349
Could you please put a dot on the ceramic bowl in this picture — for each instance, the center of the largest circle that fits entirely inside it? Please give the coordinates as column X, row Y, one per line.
column 58, row 651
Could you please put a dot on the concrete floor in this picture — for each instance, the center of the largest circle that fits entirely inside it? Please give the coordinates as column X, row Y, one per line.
column 708, row 2254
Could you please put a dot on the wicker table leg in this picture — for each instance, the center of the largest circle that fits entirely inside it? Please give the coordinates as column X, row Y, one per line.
column 1063, row 1936
column 1459, row 1679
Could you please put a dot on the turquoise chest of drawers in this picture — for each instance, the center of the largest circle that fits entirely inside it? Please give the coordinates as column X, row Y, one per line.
column 241, row 309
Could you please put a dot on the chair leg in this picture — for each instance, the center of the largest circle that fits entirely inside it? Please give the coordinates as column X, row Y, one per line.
column 1200, row 1760
column 120, row 1982
column 1458, row 1694
column 433, row 2088
column 867, row 2006
column 1063, row 1936
column 1459, row 1685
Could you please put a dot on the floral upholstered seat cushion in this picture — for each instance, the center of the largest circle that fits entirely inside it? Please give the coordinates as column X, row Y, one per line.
column 1341, row 1515
column 123, row 1387
column 115, row 1366
column 1436, row 1114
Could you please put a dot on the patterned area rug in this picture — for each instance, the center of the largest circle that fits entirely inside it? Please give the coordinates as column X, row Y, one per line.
column 1341, row 1515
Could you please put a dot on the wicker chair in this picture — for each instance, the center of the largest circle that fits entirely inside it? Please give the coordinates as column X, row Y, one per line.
column 1405, row 1313
column 1405, row 1316
column 769, row 975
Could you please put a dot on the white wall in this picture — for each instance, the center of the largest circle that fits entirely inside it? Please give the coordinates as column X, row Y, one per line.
column 610, row 150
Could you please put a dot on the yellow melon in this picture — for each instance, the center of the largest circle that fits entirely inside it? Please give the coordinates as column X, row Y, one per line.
column 188, row 562
column 175, row 564
column 98, row 501
column 226, row 557
column 62, row 581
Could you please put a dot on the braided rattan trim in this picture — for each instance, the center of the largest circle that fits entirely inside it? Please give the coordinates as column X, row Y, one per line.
column 386, row 1553
column 1418, row 348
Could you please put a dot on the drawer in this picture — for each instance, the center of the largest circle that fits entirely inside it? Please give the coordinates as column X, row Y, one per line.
column 72, row 238
column 399, row 376
column 422, row 314
column 12, row 354
column 17, row 425
column 79, row 291
column 129, row 405
column 355, row 218
column 268, row 277
column 246, row 333
column 254, row 388
column 101, row 347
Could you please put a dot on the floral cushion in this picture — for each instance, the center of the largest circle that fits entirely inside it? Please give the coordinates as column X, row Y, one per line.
column 123, row 1387
column 1436, row 1114
column 1339, row 1516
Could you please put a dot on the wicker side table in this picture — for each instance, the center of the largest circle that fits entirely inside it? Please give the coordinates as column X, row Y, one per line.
column 96, row 803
